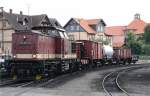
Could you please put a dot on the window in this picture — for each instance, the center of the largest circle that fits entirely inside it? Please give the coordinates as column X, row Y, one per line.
column 25, row 41
column 61, row 34
column 56, row 23
column 71, row 27
column 25, row 21
column 100, row 28
column 20, row 22
column 53, row 31
column 77, row 28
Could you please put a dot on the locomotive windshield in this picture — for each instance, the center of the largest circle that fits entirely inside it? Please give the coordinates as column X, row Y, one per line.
column 25, row 41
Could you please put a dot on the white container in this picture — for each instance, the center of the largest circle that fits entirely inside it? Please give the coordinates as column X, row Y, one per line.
column 108, row 51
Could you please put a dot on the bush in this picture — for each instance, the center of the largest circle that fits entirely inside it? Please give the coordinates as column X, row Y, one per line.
column 136, row 47
column 146, row 49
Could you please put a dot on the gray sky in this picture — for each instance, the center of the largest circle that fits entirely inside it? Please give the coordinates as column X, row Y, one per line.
column 113, row 12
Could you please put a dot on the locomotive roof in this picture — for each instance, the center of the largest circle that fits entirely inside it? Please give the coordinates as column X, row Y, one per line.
column 35, row 32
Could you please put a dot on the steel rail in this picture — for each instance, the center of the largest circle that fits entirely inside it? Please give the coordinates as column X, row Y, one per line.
column 118, row 74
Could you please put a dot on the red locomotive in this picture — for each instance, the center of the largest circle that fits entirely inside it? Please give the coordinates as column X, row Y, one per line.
column 37, row 55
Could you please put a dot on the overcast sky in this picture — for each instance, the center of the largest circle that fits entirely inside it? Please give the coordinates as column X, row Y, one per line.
column 113, row 12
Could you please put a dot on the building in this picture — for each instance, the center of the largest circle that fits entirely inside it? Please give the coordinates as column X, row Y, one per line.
column 85, row 29
column 11, row 22
column 118, row 33
column 137, row 26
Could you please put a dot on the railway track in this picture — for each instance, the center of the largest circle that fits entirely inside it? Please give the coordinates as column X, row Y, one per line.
column 45, row 82
column 111, row 84
column 8, row 82
column 39, row 83
column 28, row 86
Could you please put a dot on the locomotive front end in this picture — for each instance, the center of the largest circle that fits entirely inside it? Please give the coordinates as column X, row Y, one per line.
column 24, row 63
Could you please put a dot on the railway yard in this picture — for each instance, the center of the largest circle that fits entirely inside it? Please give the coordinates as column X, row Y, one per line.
column 115, row 80
column 44, row 58
column 46, row 63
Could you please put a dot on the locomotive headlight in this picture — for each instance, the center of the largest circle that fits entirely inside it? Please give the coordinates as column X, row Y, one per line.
column 14, row 56
column 34, row 55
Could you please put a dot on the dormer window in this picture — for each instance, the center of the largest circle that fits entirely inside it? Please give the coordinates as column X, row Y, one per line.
column 100, row 28
column 26, row 21
column 72, row 27
column 56, row 24
column 22, row 21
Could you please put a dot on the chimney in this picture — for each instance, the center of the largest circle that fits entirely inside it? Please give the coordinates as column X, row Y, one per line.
column 137, row 16
column 21, row 13
column 10, row 11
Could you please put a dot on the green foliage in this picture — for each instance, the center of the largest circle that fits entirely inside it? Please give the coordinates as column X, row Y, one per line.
column 136, row 47
column 147, row 34
column 141, row 44
column 130, row 37
column 132, row 43
column 144, row 57
column 146, row 49
column 141, row 38
column 146, row 40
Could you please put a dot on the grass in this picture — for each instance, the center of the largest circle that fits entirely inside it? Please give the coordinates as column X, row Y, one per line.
column 144, row 57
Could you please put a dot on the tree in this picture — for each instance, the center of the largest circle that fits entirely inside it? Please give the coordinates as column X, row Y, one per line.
column 131, row 42
column 136, row 47
column 130, row 37
column 146, row 49
column 147, row 34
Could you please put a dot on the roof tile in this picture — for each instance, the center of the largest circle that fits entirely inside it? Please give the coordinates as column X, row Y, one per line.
column 115, row 30
column 84, row 24
column 138, row 25
column 92, row 21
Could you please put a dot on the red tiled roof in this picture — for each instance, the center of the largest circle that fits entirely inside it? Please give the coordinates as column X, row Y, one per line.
column 84, row 24
column 118, row 41
column 114, row 30
column 92, row 21
column 138, row 25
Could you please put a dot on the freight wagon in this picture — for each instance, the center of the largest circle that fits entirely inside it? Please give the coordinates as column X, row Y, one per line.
column 89, row 53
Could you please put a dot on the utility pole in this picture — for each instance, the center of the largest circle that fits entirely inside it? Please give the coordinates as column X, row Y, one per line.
column 2, row 40
column 28, row 6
